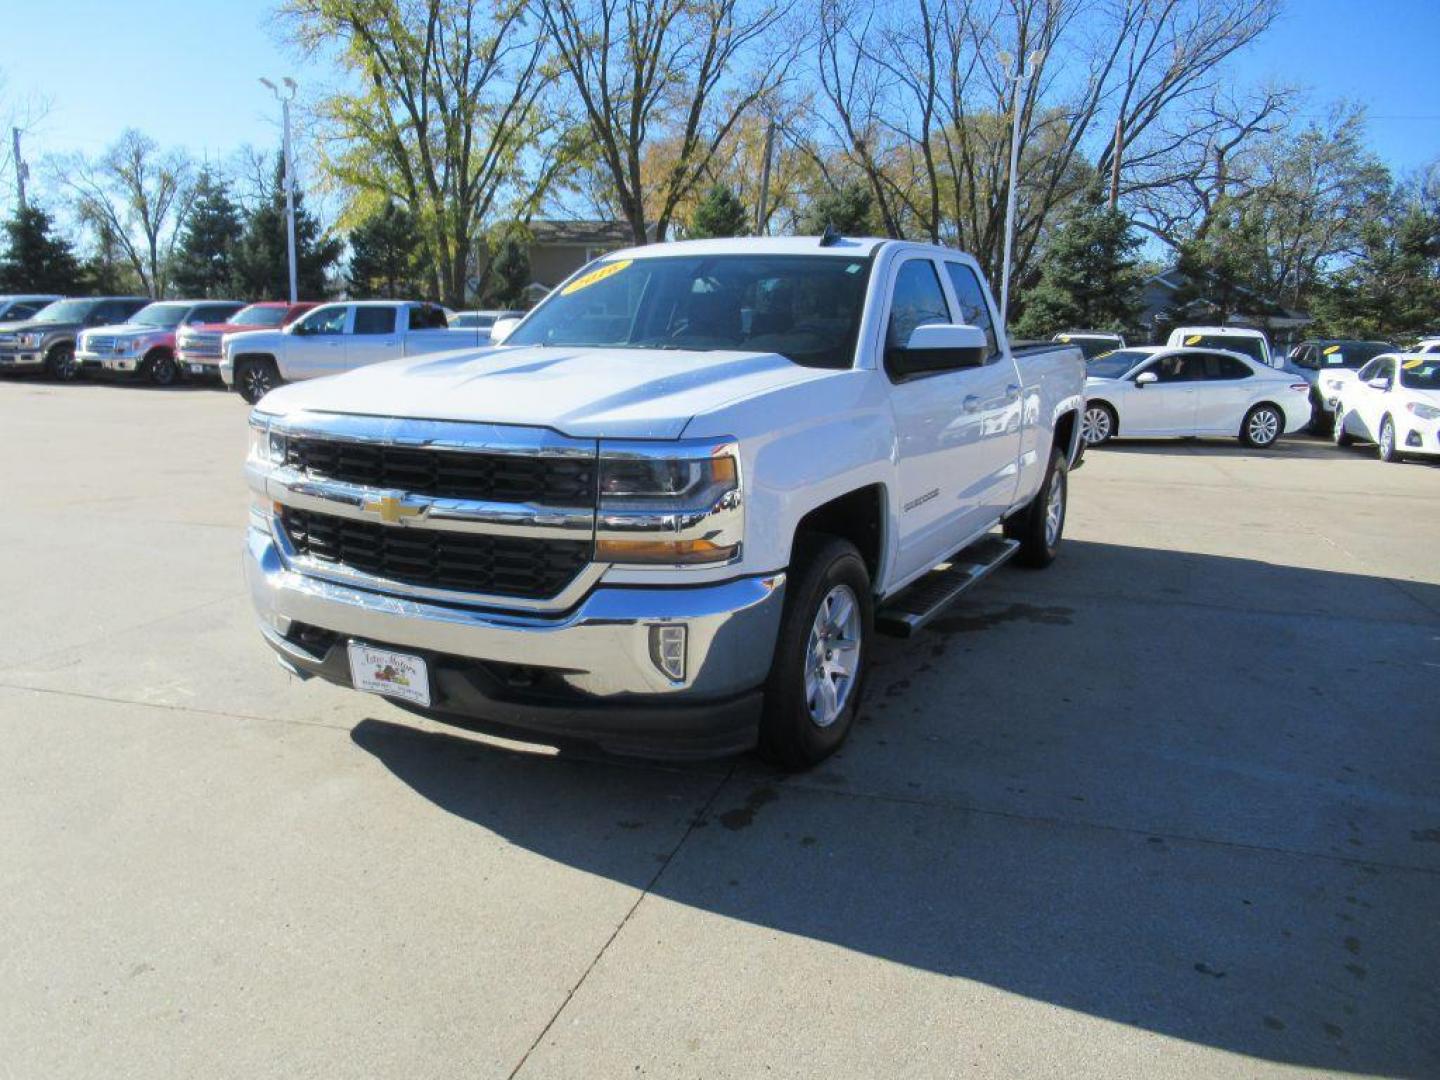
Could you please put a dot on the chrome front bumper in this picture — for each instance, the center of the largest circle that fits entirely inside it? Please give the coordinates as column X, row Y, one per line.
column 601, row 650
column 12, row 359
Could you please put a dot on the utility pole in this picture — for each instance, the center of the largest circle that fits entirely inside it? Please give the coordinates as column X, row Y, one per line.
column 1115, row 164
column 285, row 100
column 765, row 179
column 1019, row 77
column 22, row 171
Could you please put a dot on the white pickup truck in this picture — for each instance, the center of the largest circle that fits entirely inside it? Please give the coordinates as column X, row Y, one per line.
column 338, row 337
column 668, row 514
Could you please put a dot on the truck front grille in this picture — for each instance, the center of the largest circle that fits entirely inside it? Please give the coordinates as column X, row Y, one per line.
column 512, row 478
column 534, row 569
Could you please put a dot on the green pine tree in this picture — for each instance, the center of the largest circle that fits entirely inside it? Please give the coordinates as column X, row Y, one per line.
column 850, row 209
column 212, row 231
column 260, row 259
column 509, row 269
column 384, row 254
column 719, row 213
column 36, row 260
column 1089, row 276
column 1392, row 289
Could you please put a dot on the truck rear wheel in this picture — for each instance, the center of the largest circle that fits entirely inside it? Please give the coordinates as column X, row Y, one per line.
column 820, row 655
column 256, row 378
column 1041, row 525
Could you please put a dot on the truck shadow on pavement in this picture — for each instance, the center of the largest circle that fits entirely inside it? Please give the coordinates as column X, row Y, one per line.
column 1209, row 810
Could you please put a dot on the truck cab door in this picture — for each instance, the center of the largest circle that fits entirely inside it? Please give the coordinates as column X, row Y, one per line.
column 374, row 336
column 939, row 419
column 317, row 343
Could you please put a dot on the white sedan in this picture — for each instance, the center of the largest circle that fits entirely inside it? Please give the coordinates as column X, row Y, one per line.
column 1160, row 391
column 1394, row 402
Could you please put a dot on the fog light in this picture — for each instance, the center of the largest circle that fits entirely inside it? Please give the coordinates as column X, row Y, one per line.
column 1413, row 439
column 667, row 649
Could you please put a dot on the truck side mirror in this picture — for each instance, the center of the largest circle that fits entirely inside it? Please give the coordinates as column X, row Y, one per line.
column 502, row 329
column 1145, row 378
column 940, row 347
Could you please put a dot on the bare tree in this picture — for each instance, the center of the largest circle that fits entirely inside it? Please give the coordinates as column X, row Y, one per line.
column 141, row 197
column 660, row 86
column 448, row 114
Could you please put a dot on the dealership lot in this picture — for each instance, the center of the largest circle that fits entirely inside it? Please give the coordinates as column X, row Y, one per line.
column 1171, row 807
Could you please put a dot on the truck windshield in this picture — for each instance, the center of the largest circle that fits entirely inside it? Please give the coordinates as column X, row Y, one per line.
column 64, row 311
column 805, row 308
column 258, row 315
column 1112, row 365
column 1246, row 346
column 160, row 315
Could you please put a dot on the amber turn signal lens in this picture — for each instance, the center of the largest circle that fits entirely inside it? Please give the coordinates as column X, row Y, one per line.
column 668, row 552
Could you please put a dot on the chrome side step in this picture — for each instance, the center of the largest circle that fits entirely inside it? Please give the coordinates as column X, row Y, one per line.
column 919, row 602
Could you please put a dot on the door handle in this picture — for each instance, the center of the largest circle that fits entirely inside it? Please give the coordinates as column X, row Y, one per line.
column 972, row 403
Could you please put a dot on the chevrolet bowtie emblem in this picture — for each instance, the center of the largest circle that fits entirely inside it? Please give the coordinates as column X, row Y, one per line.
column 391, row 509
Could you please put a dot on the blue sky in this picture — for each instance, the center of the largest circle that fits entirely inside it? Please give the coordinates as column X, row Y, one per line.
column 185, row 71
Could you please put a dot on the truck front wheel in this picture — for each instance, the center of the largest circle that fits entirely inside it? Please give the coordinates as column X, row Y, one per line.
column 820, row 656
column 256, row 378
column 1040, row 525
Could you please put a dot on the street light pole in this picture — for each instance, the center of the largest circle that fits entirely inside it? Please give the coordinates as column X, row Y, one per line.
column 1019, row 78
column 285, row 100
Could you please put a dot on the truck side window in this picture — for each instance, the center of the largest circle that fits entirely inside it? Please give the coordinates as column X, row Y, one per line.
column 971, row 298
column 374, row 320
column 918, row 300
column 325, row 320
column 425, row 317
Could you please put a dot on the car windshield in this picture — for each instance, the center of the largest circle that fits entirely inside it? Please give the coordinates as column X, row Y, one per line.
column 1248, row 346
column 1113, row 364
column 160, row 315
column 805, row 308
column 1350, row 354
column 258, row 315
column 64, row 311
column 1420, row 374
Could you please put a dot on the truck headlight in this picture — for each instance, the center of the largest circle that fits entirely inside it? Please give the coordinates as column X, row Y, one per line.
column 669, row 503
column 266, row 447
column 1423, row 411
column 27, row 341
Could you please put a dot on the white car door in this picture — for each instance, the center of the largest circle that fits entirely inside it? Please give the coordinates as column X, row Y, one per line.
column 1369, row 402
column 940, row 478
column 373, row 336
column 1163, row 407
column 317, row 343
column 1225, row 388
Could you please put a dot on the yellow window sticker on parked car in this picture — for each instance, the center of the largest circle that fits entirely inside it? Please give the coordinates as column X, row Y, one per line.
column 1411, row 365
column 1065, row 338
column 1332, row 350
column 600, row 273
column 1193, row 339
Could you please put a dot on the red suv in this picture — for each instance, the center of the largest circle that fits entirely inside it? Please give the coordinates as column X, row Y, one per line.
column 198, row 347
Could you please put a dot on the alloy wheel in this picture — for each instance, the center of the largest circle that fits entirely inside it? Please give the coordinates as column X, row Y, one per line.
column 1095, row 427
column 1264, row 427
column 1054, row 508
column 832, row 660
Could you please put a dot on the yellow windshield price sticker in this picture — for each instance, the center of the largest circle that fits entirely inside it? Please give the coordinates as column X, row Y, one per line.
column 1332, row 350
column 1193, row 339
column 600, row 273
column 1063, row 337
column 1411, row 365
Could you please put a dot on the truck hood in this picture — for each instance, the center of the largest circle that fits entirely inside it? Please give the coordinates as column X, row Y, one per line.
column 130, row 330
column 584, row 392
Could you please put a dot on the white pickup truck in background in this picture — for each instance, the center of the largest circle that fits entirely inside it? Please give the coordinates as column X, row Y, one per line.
column 669, row 513
column 337, row 337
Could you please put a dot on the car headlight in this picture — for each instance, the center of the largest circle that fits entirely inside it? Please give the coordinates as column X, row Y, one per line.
column 28, row 341
column 669, row 504
column 266, row 447
column 1423, row 411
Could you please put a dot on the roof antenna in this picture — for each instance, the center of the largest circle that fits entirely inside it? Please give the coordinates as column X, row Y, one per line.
column 832, row 236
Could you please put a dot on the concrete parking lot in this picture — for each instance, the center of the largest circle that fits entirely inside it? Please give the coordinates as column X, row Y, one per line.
column 1169, row 808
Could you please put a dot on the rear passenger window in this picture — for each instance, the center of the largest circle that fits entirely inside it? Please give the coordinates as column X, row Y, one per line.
column 1217, row 368
column 918, row 300
column 428, row 317
column 374, row 320
column 974, row 311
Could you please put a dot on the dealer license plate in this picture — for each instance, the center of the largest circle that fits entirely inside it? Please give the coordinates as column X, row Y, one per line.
column 397, row 675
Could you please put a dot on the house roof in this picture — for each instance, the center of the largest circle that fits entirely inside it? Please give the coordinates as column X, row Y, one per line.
column 1173, row 280
column 582, row 232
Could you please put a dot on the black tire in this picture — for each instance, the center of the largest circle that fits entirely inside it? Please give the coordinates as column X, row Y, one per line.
column 1098, row 423
column 1320, row 418
column 60, row 363
column 790, row 736
column 1385, row 445
column 1262, row 427
column 256, row 378
column 1038, row 543
column 1339, row 435
column 161, row 369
